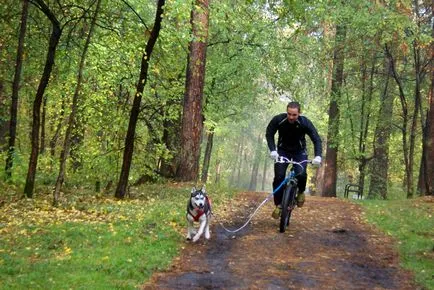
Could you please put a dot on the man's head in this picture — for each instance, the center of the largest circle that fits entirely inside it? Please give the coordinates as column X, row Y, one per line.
column 293, row 111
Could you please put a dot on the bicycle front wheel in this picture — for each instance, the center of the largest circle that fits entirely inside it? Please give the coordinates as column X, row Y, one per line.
column 286, row 210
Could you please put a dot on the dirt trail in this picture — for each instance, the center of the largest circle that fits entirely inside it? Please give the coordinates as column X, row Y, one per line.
column 327, row 246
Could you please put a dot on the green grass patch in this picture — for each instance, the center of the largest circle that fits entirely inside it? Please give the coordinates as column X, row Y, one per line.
column 411, row 222
column 93, row 242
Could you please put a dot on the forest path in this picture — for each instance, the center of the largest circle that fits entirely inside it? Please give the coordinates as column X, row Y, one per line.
column 327, row 246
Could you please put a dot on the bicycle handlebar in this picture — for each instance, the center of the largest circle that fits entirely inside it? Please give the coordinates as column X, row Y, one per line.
column 282, row 159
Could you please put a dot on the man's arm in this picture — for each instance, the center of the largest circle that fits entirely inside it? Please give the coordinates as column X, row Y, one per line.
column 314, row 136
column 269, row 134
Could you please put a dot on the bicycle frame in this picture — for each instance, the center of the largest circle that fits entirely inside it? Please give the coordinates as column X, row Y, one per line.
column 289, row 192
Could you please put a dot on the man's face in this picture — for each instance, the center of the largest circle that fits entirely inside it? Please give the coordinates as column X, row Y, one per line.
column 293, row 114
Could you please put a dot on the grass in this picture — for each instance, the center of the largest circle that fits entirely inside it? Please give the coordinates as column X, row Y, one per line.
column 97, row 242
column 92, row 242
column 411, row 223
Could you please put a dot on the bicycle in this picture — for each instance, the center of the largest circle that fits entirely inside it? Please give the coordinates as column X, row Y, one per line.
column 289, row 192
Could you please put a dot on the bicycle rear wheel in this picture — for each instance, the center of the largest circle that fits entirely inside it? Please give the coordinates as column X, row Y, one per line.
column 286, row 208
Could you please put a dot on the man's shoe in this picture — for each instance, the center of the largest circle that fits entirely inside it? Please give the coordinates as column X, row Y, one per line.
column 300, row 199
column 276, row 213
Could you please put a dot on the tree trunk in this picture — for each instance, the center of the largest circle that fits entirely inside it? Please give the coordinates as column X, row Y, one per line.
column 414, row 118
column 240, row 164
column 408, row 180
column 429, row 145
column 380, row 161
column 43, row 118
column 207, row 157
column 192, row 119
column 426, row 173
column 15, row 89
column 365, row 121
column 49, row 62
column 362, row 174
column 330, row 171
column 135, row 110
column 71, row 119
column 4, row 122
column 59, row 118
column 77, row 138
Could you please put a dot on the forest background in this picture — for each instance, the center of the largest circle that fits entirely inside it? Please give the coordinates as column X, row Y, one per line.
column 99, row 98
column 361, row 70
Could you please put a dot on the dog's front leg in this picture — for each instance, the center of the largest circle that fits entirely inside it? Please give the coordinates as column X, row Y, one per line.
column 202, row 221
column 190, row 228
column 207, row 234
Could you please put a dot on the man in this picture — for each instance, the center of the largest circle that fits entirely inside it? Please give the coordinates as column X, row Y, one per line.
column 292, row 128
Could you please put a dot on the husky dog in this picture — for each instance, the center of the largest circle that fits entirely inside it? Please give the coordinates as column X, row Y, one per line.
column 198, row 210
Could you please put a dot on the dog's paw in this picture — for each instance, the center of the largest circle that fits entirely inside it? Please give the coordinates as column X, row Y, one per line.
column 188, row 237
column 195, row 239
column 207, row 236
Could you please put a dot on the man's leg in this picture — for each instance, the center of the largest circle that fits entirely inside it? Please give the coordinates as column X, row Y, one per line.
column 279, row 177
column 301, row 174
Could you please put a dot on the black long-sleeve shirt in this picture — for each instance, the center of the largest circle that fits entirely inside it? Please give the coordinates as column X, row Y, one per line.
column 292, row 137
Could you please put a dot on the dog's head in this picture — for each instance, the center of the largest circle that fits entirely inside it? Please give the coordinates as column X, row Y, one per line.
column 198, row 197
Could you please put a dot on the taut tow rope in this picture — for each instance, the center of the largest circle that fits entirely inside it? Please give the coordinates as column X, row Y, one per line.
column 256, row 210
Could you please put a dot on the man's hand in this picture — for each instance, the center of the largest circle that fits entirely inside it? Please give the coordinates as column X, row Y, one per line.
column 317, row 160
column 274, row 155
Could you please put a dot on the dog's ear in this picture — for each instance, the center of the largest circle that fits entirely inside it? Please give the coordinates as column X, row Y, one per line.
column 203, row 189
column 193, row 191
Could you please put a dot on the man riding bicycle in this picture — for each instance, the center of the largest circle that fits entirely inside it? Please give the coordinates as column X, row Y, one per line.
column 292, row 128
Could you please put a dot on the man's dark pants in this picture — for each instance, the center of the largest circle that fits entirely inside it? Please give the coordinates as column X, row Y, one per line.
column 280, row 173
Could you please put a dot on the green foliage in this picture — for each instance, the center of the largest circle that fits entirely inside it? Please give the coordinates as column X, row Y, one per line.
column 260, row 54
column 410, row 222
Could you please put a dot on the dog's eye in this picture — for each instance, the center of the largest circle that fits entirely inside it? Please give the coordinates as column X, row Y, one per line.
column 196, row 193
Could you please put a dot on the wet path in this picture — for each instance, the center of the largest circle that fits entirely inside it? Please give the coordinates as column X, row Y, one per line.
column 326, row 247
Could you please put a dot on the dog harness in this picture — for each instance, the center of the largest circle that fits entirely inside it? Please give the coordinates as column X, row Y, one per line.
column 200, row 212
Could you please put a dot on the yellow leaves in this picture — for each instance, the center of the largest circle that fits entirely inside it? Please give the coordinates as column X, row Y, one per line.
column 122, row 218
column 112, row 229
column 67, row 250
column 64, row 254
column 16, row 218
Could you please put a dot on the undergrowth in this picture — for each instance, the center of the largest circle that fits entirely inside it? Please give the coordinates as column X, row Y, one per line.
column 92, row 241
